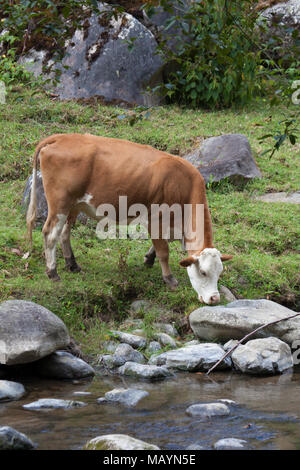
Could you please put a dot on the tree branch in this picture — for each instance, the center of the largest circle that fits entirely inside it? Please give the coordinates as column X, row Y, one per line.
column 247, row 336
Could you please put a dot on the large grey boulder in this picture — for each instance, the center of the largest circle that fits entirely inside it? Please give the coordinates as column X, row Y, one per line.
column 199, row 357
column 63, row 365
column 29, row 332
column 10, row 390
column 118, row 442
column 10, row 439
column 101, row 64
column 263, row 356
column 238, row 318
column 224, row 156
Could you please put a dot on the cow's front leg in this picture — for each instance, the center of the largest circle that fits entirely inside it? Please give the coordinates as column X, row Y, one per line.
column 162, row 251
column 150, row 257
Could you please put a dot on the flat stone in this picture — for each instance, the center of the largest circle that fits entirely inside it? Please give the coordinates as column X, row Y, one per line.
column 199, row 357
column 238, row 318
column 291, row 198
column 134, row 340
column 154, row 346
column 228, row 295
column 166, row 328
column 230, row 443
column 208, row 410
column 29, row 332
column 53, row 403
column 63, row 365
column 129, row 397
column 118, row 442
column 11, row 439
column 263, row 356
column 144, row 371
column 11, row 390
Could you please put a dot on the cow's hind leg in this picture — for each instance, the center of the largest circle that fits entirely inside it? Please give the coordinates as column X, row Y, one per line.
column 162, row 250
column 51, row 231
column 65, row 242
column 150, row 257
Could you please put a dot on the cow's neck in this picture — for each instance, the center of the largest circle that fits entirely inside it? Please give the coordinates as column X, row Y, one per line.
column 207, row 241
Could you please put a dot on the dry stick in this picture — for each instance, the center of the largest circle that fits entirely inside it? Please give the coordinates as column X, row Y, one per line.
column 247, row 336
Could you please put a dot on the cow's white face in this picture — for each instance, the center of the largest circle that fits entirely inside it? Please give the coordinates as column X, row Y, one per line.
column 204, row 269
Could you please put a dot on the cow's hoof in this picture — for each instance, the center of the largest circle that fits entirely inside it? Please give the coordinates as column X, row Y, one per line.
column 171, row 281
column 52, row 274
column 72, row 265
column 149, row 261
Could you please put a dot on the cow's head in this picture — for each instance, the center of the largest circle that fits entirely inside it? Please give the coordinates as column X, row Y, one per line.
column 204, row 269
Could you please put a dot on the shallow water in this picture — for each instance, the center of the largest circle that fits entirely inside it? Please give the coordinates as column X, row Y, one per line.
column 267, row 415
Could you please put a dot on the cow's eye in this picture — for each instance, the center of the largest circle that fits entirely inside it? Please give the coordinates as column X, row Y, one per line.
column 202, row 272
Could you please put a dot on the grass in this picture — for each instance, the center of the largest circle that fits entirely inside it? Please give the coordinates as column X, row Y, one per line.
column 264, row 238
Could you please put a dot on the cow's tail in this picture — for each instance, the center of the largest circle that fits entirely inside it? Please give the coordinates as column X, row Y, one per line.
column 31, row 211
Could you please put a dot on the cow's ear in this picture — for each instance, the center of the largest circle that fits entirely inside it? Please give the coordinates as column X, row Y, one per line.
column 188, row 261
column 226, row 257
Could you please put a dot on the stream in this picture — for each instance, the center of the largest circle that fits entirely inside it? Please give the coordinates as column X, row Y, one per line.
column 266, row 414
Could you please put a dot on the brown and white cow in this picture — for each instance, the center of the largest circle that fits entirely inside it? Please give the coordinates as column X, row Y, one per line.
column 81, row 172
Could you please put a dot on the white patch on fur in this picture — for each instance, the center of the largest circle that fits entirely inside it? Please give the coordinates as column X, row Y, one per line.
column 86, row 206
column 206, row 286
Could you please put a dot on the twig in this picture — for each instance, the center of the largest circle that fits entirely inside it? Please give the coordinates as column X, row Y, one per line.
column 247, row 336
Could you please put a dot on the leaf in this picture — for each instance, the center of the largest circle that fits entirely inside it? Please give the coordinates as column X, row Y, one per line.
column 26, row 255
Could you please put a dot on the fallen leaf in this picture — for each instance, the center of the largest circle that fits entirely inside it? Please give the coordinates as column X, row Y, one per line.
column 26, row 255
column 16, row 251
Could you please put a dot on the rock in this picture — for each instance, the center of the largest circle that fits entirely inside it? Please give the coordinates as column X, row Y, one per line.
column 129, row 397
column 143, row 371
column 166, row 328
column 224, row 156
column 118, row 442
column 11, row 390
column 292, row 198
column 63, row 365
column 29, row 332
column 263, row 356
column 53, row 403
column 241, row 317
column 230, row 344
column 124, row 353
column 195, row 447
column 228, row 295
column 193, row 342
column 140, row 306
column 208, row 410
column 101, row 64
column 199, row 357
column 230, row 443
column 227, row 401
column 165, row 340
column 10, row 439
column 281, row 20
column 111, row 346
column 154, row 346
column 133, row 340
column 82, row 394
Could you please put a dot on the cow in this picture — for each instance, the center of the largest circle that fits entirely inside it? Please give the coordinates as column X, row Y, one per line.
column 82, row 171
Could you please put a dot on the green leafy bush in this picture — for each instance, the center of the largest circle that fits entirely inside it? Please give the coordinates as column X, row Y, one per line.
column 216, row 64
